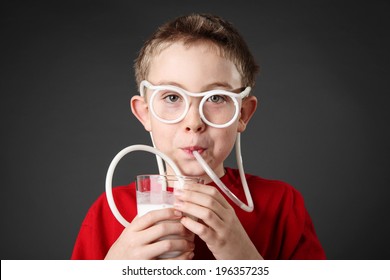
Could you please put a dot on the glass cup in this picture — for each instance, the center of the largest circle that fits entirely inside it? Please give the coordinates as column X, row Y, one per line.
column 157, row 192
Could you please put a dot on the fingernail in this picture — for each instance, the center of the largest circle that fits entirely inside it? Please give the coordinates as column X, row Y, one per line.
column 177, row 213
column 191, row 255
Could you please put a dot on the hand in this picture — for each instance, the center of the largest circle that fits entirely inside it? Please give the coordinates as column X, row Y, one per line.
column 140, row 240
column 218, row 224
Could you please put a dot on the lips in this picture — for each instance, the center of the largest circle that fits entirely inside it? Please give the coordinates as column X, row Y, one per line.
column 189, row 150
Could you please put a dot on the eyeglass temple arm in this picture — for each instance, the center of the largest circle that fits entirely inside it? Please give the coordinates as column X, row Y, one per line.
column 160, row 162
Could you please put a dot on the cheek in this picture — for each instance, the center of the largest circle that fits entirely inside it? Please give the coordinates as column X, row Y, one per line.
column 226, row 141
column 163, row 135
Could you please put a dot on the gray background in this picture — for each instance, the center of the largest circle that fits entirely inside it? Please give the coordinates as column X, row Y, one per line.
column 322, row 125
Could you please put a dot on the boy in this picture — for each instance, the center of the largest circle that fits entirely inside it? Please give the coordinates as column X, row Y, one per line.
column 192, row 55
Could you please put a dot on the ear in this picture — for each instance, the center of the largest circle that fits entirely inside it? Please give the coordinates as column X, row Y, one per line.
column 248, row 108
column 140, row 109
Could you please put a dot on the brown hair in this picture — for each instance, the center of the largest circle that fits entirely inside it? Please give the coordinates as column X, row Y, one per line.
column 194, row 28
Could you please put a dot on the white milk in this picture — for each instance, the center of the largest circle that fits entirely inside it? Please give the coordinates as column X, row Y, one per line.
column 144, row 208
column 148, row 201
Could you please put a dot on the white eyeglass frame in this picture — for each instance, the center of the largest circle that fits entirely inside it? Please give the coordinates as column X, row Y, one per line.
column 205, row 95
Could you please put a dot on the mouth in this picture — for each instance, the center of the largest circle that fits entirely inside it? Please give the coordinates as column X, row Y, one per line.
column 191, row 149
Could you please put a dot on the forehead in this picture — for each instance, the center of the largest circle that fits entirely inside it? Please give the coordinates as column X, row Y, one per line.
column 193, row 66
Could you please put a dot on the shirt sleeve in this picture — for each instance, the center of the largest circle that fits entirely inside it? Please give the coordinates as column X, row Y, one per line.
column 301, row 241
column 100, row 229
column 87, row 245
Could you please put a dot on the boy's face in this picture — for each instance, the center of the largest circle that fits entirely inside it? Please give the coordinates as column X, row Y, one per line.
column 197, row 68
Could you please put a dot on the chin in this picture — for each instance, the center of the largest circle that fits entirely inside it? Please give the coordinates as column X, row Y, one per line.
column 194, row 170
column 194, row 173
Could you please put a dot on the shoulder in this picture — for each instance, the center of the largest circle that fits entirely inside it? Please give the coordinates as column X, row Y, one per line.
column 268, row 191
column 124, row 197
column 100, row 228
column 260, row 183
column 120, row 194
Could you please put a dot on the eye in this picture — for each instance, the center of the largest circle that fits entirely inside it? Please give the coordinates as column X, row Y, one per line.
column 171, row 98
column 217, row 99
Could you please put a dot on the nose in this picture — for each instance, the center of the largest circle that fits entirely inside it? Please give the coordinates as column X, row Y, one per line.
column 193, row 122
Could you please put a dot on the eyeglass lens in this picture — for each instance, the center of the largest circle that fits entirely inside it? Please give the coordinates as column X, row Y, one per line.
column 171, row 105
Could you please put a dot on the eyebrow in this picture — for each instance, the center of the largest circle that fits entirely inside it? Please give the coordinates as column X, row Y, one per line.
column 211, row 86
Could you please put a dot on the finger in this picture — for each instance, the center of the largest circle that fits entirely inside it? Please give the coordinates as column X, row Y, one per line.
column 162, row 230
column 186, row 201
column 209, row 190
column 206, row 233
column 185, row 256
column 155, row 250
column 153, row 217
column 209, row 217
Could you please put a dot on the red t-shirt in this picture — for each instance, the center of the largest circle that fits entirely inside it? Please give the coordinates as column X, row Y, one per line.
column 279, row 226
